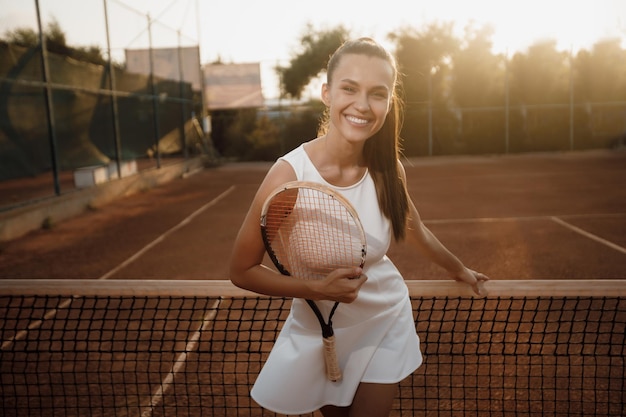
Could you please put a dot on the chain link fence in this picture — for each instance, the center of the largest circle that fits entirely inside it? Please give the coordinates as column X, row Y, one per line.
column 114, row 91
column 104, row 91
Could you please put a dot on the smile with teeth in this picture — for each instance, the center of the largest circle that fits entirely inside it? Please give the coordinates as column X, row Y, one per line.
column 356, row 120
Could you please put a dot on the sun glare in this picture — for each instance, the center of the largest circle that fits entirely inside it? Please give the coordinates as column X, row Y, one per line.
column 260, row 35
column 573, row 26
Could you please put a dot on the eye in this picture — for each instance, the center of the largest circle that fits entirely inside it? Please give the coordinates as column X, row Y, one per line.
column 381, row 95
column 349, row 89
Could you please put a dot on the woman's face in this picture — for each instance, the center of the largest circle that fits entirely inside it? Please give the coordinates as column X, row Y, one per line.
column 359, row 96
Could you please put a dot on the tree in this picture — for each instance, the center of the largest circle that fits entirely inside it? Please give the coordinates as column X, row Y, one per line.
column 600, row 74
column 419, row 52
column 317, row 47
column 477, row 73
column 599, row 77
column 25, row 37
column 539, row 83
column 477, row 86
column 56, row 42
column 423, row 60
column 541, row 75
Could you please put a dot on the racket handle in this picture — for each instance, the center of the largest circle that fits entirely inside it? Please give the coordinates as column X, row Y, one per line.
column 333, row 371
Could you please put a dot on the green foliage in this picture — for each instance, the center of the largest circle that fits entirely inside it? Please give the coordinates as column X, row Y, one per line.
column 600, row 73
column 301, row 125
column 478, row 77
column 25, row 37
column 250, row 135
column 418, row 52
column 235, row 126
column 311, row 60
column 458, row 84
column 423, row 60
column 463, row 85
column 55, row 35
column 540, row 75
column 263, row 140
column 56, row 42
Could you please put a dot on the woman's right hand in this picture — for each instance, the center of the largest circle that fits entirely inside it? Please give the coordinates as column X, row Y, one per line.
column 341, row 285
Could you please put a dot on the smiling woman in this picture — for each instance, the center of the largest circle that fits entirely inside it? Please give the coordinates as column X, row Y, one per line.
column 357, row 156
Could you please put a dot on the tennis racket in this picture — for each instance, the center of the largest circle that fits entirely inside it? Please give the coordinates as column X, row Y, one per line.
column 310, row 230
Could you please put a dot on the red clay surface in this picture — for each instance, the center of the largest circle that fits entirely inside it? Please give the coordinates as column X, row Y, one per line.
column 541, row 216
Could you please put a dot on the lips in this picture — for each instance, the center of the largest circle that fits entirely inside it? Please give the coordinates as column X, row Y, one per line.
column 356, row 120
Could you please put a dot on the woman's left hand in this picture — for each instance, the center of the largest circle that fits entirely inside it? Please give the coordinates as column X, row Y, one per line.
column 473, row 279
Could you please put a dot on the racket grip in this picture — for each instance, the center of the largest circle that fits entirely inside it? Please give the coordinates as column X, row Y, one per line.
column 333, row 371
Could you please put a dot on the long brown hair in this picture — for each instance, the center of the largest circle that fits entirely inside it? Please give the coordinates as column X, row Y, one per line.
column 381, row 151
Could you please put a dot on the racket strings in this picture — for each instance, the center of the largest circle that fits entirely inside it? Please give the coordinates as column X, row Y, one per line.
column 312, row 233
column 308, row 233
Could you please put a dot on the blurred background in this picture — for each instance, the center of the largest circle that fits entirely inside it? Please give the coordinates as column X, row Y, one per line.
column 95, row 90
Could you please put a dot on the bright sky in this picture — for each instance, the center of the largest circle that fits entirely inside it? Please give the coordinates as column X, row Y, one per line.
column 267, row 31
column 249, row 30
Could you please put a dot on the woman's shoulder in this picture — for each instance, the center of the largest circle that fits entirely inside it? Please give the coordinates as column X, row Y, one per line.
column 296, row 154
column 300, row 160
column 281, row 172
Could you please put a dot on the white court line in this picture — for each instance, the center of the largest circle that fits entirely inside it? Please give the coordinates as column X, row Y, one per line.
column 589, row 235
column 555, row 219
column 51, row 313
column 159, row 239
column 521, row 218
column 34, row 325
column 180, row 361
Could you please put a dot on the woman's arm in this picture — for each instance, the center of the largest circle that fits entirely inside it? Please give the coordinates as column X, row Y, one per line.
column 247, row 270
column 420, row 237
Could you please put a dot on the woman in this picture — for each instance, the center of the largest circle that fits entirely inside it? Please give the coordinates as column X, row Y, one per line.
column 357, row 154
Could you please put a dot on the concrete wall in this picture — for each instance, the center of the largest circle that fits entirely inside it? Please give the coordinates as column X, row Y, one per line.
column 21, row 220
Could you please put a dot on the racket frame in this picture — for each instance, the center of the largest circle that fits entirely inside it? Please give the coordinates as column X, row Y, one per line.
column 333, row 370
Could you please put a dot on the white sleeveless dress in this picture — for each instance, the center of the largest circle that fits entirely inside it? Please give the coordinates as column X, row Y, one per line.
column 375, row 335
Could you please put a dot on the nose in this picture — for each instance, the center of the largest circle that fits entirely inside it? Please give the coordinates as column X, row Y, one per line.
column 362, row 103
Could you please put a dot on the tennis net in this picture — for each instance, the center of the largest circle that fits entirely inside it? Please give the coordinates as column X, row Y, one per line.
column 194, row 348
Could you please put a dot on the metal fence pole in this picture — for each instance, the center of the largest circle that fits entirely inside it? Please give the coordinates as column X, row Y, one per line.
column 155, row 96
column 49, row 104
column 183, row 103
column 506, row 103
column 113, row 95
column 571, row 102
column 430, row 111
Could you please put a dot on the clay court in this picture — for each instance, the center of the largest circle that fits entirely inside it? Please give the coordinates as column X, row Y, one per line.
column 539, row 216
column 524, row 218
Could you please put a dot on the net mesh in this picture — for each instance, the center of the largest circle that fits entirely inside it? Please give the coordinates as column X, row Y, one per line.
column 138, row 349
